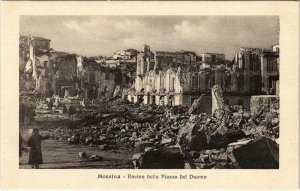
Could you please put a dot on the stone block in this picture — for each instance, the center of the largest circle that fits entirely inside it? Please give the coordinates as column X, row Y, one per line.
column 261, row 154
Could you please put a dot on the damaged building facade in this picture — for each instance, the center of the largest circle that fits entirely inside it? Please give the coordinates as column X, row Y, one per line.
column 99, row 81
column 50, row 73
column 84, row 77
column 178, row 78
column 259, row 69
column 174, row 78
column 34, row 58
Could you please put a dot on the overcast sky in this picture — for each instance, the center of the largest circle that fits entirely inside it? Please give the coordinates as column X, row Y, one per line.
column 103, row 35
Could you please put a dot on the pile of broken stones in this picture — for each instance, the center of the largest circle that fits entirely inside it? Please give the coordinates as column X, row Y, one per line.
column 238, row 140
column 168, row 137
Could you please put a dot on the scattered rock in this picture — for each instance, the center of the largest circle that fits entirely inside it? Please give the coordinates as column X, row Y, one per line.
column 261, row 154
column 104, row 147
column 161, row 159
column 141, row 146
column 96, row 157
column 82, row 155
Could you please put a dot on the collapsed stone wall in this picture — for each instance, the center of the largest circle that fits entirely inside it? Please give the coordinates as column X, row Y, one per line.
column 217, row 99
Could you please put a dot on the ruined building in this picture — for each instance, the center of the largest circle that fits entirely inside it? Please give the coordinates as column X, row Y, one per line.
column 34, row 59
column 47, row 72
column 84, row 77
column 258, row 70
column 98, row 80
column 38, row 65
column 172, row 78
column 178, row 78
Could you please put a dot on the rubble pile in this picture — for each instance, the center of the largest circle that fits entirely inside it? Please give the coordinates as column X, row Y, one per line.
column 265, row 114
column 244, row 153
column 133, row 124
column 260, row 104
column 204, row 140
column 240, row 139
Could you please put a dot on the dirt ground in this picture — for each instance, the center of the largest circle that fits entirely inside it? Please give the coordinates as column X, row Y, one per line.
column 60, row 155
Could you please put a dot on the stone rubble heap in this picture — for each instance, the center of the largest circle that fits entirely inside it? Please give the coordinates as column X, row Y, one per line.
column 134, row 123
column 204, row 140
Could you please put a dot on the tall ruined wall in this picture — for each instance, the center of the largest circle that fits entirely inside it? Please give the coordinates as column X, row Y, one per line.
column 220, row 78
column 217, row 98
column 166, row 60
column 149, row 81
column 67, row 67
column 172, row 82
column 105, row 79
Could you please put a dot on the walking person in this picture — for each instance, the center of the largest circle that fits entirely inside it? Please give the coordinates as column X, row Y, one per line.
column 35, row 154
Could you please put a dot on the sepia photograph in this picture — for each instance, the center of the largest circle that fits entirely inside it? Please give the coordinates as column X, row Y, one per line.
column 149, row 92
column 149, row 95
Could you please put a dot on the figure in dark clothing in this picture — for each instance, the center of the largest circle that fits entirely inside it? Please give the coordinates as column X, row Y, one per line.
column 50, row 104
column 35, row 154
